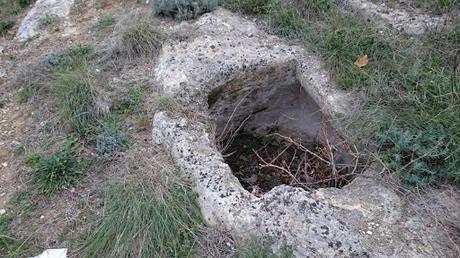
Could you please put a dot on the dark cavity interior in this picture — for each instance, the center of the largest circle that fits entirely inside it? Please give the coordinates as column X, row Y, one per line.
column 271, row 132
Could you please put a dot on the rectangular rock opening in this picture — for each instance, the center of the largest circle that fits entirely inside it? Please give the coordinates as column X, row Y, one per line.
column 271, row 132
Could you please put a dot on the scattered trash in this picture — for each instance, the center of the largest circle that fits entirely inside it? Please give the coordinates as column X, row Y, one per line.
column 2, row 211
column 53, row 253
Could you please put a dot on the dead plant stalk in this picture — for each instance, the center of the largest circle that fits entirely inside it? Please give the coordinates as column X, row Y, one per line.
column 328, row 146
column 230, row 135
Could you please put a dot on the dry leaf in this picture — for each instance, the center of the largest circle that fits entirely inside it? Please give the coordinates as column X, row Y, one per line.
column 362, row 61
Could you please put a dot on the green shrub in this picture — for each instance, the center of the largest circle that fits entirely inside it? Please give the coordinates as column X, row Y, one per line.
column 138, row 223
column 420, row 158
column 68, row 58
column 183, row 9
column 2, row 104
column 59, row 171
column 110, row 139
column 5, row 26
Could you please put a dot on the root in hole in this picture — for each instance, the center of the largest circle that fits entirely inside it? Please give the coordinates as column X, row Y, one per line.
column 271, row 131
column 261, row 162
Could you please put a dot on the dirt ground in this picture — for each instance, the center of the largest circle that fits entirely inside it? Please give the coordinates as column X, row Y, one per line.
column 57, row 220
column 62, row 220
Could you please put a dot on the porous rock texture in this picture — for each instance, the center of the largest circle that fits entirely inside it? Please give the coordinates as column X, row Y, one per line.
column 363, row 219
column 30, row 25
column 412, row 23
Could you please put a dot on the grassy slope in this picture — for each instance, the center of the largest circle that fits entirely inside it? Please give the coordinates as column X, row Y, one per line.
column 410, row 121
column 137, row 223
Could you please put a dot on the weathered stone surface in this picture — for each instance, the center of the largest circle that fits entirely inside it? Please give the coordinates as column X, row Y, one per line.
column 30, row 25
column 289, row 215
column 363, row 219
column 223, row 52
column 409, row 22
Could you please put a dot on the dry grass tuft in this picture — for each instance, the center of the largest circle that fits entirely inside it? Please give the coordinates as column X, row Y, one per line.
column 149, row 210
column 153, row 165
column 216, row 243
column 441, row 206
column 137, row 36
column 141, row 38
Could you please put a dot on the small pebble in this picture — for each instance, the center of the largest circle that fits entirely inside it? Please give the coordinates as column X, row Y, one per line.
column 42, row 217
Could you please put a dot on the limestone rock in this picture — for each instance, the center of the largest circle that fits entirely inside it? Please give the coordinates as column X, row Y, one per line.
column 221, row 49
column 409, row 22
column 30, row 25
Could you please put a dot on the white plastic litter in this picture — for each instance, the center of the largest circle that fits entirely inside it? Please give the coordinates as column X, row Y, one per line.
column 53, row 253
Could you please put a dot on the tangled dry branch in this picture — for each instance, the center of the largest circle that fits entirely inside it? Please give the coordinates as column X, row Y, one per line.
column 308, row 167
